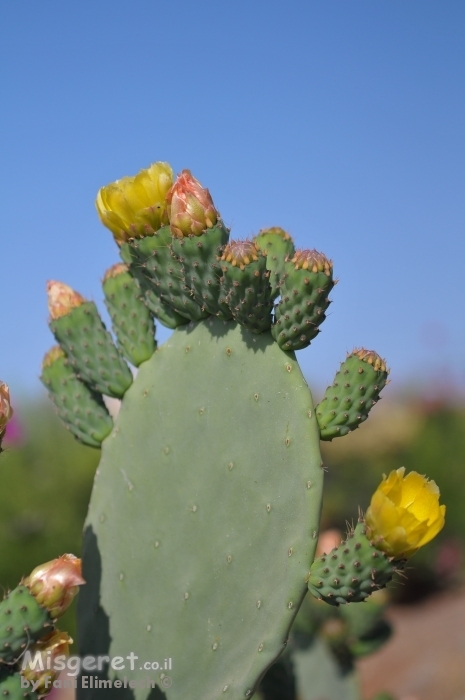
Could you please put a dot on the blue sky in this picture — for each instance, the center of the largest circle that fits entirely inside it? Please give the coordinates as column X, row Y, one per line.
column 342, row 122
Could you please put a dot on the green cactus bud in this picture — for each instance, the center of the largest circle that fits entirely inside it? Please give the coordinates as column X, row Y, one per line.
column 246, row 285
column 355, row 390
column 277, row 245
column 350, row 572
column 22, row 621
column 199, row 256
column 150, row 294
column 90, row 350
column 306, row 281
column 190, row 206
column 132, row 323
column 81, row 409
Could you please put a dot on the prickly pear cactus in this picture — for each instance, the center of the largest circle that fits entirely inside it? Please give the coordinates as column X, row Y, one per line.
column 204, row 516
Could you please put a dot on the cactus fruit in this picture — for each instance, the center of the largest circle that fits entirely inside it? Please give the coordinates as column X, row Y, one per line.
column 355, row 390
column 277, row 245
column 246, row 285
column 80, row 408
column 163, row 273
column 201, row 271
column 306, row 281
column 79, row 330
column 350, row 572
column 22, row 621
column 131, row 320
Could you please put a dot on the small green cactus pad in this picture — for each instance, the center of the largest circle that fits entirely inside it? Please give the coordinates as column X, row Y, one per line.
column 215, row 465
column 199, row 257
column 22, row 621
column 246, row 285
column 355, row 390
column 350, row 572
column 152, row 255
column 277, row 245
column 80, row 408
column 10, row 688
column 306, row 281
column 131, row 320
column 90, row 350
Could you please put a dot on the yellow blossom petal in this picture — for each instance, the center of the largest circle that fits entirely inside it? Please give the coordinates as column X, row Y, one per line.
column 404, row 513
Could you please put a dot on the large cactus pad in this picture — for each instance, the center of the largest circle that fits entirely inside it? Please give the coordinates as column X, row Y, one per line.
column 204, row 516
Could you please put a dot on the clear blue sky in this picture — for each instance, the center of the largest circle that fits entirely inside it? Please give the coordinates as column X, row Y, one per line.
column 342, row 122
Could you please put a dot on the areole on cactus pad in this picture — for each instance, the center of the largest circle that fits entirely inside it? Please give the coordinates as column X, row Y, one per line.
column 204, row 516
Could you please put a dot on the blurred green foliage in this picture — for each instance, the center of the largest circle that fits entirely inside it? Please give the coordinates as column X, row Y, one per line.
column 45, row 485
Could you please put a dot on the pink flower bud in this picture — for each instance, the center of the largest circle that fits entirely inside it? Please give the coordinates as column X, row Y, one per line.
column 190, row 206
column 55, row 583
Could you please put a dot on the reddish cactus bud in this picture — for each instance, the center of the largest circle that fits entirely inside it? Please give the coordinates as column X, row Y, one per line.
column 62, row 299
column 48, row 648
column 55, row 583
column 312, row 260
column 5, row 407
column 190, row 206
column 241, row 253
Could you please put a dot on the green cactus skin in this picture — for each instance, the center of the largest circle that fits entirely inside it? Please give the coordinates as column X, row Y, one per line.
column 161, row 311
column 80, row 408
column 350, row 572
column 199, row 257
column 277, row 245
column 90, row 350
column 22, row 622
column 221, row 482
column 304, row 300
column 10, row 688
column 152, row 255
column 355, row 390
column 246, row 286
column 131, row 320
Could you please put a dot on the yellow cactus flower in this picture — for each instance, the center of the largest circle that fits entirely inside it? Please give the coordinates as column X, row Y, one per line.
column 404, row 514
column 136, row 206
